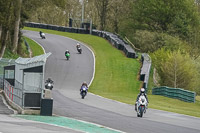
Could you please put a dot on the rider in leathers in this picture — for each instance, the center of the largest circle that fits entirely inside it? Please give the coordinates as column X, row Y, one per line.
column 142, row 91
column 84, row 84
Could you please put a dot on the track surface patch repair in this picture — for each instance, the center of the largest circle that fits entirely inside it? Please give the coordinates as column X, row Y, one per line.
column 69, row 123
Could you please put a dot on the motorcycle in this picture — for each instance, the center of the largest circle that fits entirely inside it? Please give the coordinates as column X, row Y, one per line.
column 42, row 35
column 83, row 91
column 67, row 55
column 79, row 50
column 141, row 106
column 49, row 84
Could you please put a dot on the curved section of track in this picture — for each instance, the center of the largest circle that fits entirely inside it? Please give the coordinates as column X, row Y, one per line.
column 68, row 76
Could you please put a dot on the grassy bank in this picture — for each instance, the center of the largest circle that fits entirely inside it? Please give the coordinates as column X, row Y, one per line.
column 35, row 48
column 116, row 76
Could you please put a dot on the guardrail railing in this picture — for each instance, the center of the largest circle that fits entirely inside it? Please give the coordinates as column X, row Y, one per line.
column 177, row 93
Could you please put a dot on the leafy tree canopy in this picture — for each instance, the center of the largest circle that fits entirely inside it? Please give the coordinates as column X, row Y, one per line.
column 176, row 17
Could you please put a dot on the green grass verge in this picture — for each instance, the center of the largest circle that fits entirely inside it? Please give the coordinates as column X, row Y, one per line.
column 175, row 105
column 35, row 48
column 116, row 76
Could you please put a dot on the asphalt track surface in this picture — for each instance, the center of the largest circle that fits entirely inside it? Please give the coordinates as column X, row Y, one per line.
column 68, row 76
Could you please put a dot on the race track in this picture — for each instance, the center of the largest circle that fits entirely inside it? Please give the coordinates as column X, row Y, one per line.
column 68, row 76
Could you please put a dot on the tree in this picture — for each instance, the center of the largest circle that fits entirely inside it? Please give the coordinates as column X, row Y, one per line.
column 12, row 16
column 52, row 12
column 177, row 17
column 118, row 13
column 176, row 69
column 102, row 8
column 6, row 19
column 17, row 23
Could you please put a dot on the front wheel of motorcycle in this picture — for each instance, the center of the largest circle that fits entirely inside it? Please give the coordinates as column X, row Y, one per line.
column 141, row 113
column 138, row 115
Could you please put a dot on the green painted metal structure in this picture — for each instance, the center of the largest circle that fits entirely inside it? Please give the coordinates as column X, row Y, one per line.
column 177, row 93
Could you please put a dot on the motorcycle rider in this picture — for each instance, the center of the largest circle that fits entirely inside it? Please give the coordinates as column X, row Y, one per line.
column 142, row 92
column 67, row 51
column 49, row 80
column 40, row 33
column 84, row 84
column 78, row 45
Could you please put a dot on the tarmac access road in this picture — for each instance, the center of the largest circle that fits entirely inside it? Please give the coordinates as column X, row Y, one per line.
column 68, row 76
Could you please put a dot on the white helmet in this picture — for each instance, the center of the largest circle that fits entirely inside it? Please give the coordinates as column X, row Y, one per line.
column 142, row 90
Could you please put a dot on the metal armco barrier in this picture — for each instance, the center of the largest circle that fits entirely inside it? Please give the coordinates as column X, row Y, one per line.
column 116, row 41
column 177, row 93
column 58, row 28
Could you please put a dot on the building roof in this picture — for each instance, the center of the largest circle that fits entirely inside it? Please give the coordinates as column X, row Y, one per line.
column 36, row 59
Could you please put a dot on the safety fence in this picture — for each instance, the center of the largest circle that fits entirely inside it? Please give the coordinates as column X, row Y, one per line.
column 145, row 69
column 58, row 28
column 14, row 94
column 177, row 93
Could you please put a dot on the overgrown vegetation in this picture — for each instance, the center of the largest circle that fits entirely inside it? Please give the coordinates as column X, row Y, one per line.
column 22, row 51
